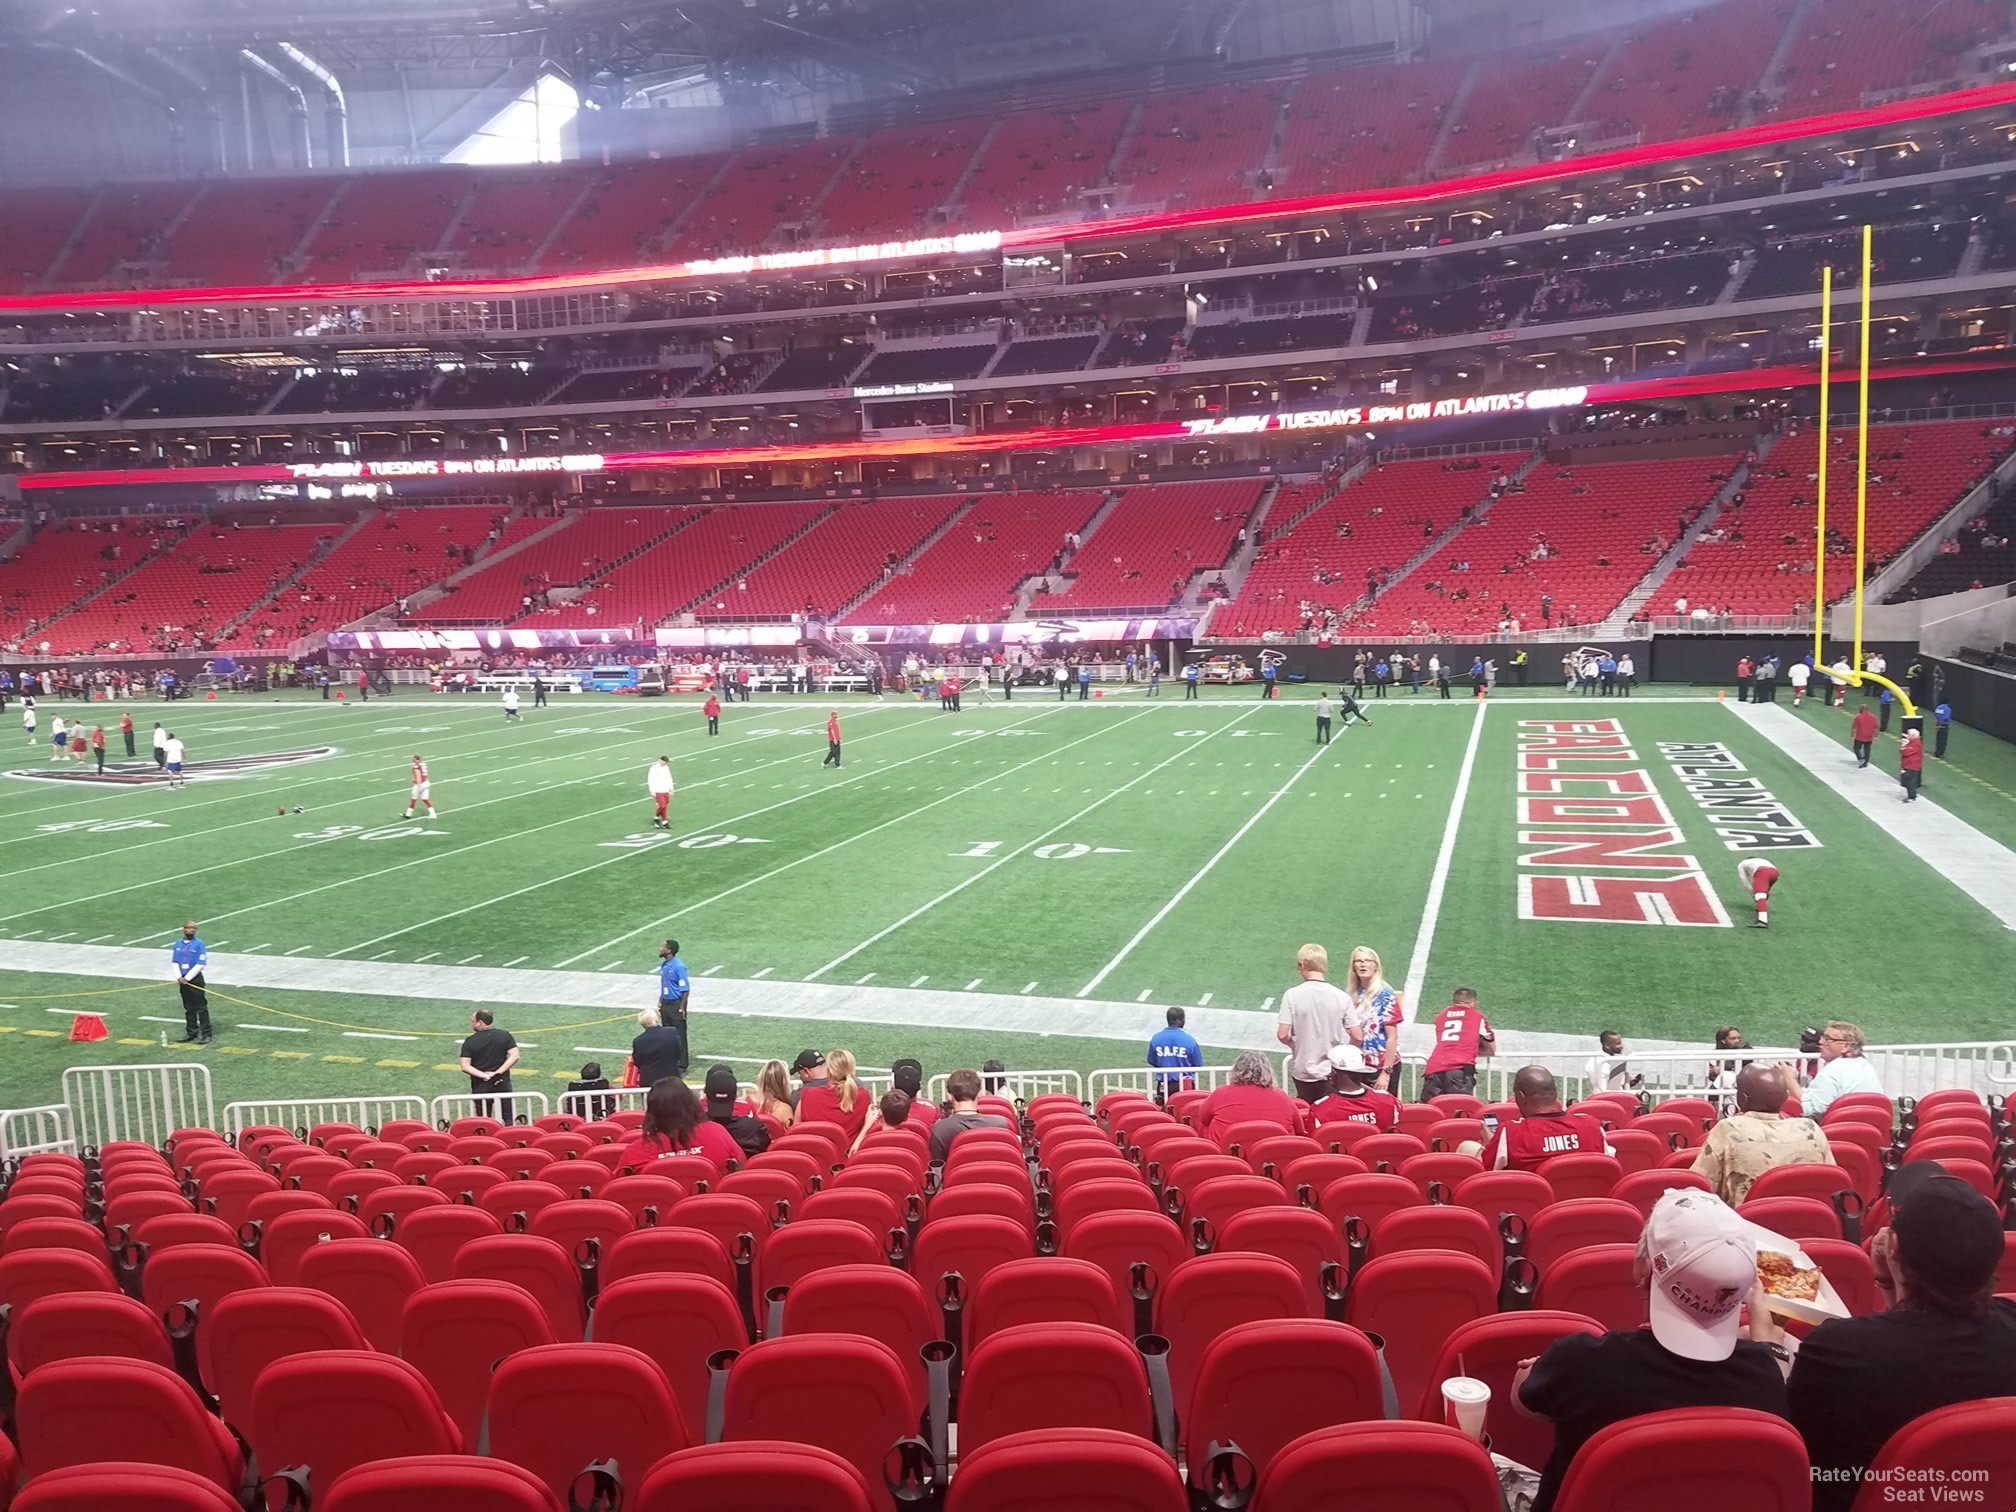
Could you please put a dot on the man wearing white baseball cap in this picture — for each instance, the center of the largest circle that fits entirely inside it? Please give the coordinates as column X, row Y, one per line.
column 1699, row 1264
column 1352, row 1098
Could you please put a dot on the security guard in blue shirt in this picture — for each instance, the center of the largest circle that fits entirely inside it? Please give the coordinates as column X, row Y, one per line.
column 1942, row 725
column 1190, row 681
column 1171, row 1051
column 674, row 985
column 190, row 956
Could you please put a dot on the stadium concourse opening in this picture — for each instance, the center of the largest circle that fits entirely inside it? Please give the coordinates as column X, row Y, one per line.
column 978, row 758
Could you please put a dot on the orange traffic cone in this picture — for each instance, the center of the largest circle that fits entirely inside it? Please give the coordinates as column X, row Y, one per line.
column 86, row 1029
column 212, row 695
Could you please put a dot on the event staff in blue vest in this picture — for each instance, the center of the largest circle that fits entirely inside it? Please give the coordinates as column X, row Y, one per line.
column 674, row 985
column 191, row 955
column 1190, row 681
column 1267, row 673
column 1171, row 1052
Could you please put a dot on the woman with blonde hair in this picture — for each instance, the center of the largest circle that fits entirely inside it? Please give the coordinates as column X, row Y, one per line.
column 840, row 1099
column 773, row 1093
column 1374, row 1017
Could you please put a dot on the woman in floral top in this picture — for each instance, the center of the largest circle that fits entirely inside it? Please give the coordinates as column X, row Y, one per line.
column 1375, row 1013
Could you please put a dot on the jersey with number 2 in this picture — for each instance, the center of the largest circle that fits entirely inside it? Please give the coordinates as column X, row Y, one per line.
column 1457, row 1031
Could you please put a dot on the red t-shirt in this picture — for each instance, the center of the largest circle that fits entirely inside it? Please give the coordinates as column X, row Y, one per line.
column 1458, row 1028
column 1863, row 726
column 819, row 1103
column 1236, row 1104
column 711, row 708
column 922, row 1113
column 833, row 728
column 1380, row 1109
column 1911, row 756
column 1526, row 1144
column 709, row 1139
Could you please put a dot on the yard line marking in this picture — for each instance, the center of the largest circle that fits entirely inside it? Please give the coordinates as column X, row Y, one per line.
column 155, row 1018
column 68, row 1012
column 423, row 960
column 710, row 970
column 612, row 966
column 957, row 888
column 599, row 1050
column 921, row 981
column 1438, row 880
column 1201, row 873
column 96, row 938
column 298, row 949
column 1204, row 1000
column 967, row 988
column 1027, row 988
column 757, row 976
column 467, row 959
column 1266, row 1003
column 29, row 934
column 864, row 981
column 382, row 954
column 848, row 840
column 367, row 1034
column 262, row 945
column 518, row 961
column 1144, row 995
column 68, row 933
column 274, row 1028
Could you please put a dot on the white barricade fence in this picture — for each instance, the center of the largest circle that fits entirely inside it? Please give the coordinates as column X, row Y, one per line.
column 1147, row 1080
column 303, row 1113
column 516, row 1107
column 147, row 1103
column 36, row 1131
column 595, row 1106
column 1018, row 1085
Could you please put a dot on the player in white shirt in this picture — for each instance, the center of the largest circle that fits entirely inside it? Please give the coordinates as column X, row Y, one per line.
column 510, row 705
column 658, row 783
column 1841, row 673
column 59, row 739
column 422, row 790
column 1799, row 673
column 172, row 753
column 1758, row 877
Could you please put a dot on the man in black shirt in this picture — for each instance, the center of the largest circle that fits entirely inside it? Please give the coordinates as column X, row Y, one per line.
column 659, row 1050
column 1699, row 1262
column 488, row 1055
column 744, row 1128
column 1946, row 1337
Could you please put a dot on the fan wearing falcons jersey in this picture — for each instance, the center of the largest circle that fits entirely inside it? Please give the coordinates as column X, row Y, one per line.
column 422, row 790
column 1758, row 877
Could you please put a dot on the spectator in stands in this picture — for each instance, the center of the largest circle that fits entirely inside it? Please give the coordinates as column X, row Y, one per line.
column 1173, row 1051
column 1249, row 1094
column 659, row 1050
column 1758, row 1136
column 1842, row 1070
column 1313, row 1018
column 1943, row 1338
column 908, row 1077
column 963, row 1088
column 810, row 1069
column 773, row 1093
column 835, row 1098
column 1543, row 1129
column 1610, row 1071
column 1698, row 1262
column 726, row 1110
column 592, row 1080
column 676, row 1124
column 1352, row 1098
column 893, row 1111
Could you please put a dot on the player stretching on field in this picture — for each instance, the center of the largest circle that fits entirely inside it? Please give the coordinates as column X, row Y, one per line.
column 422, row 790
column 1758, row 876
column 832, row 739
column 510, row 705
column 658, row 782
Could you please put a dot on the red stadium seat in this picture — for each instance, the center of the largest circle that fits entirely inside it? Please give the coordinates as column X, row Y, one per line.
column 836, row 1391
column 1849, row 1269
column 200, row 1275
column 1052, row 1376
column 1675, row 1129
column 1562, row 1227
column 1317, row 1172
column 798, row 1249
column 667, row 1251
column 1448, row 1132
column 371, row 1277
column 1379, row 1149
column 1119, row 1194
column 1117, row 1242
column 1080, row 1470
column 877, row 1301
column 1445, row 1169
column 1300, row 1236
column 1689, row 1458
column 249, row 1330
column 1416, row 1300
column 1368, row 1198
column 1596, row 1282
column 69, row 1411
column 1636, row 1149
column 1496, row 1193
column 1969, row 1443
column 638, row 1195
column 538, row 1265
column 995, row 1199
column 1573, row 1176
column 454, row 1333
column 1931, row 1102
column 77, row 1325
column 1817, row 1181
column 767, row 1188
column 1388, row 1467
column 514, row 1204
column 336, row 1409
column 93, row 1488
column 440, row 1483
column 970, row 1246
column 1044, row 1289
column 472, row 1182
column 755, row 1476
column 1642, row 1189
column 736, row 1221
column 1463, row 1230
column 1271, row 1156
column 71, row 1234
column 1268, row 1383
column 435, row 1236
column 573, row 1223
column 1947, row 1147
column 557, row 1408
column 1213, row 1294
column 1490, row 1349
column 1794, row 1218
column 1217, row 1201
column 284, row 1239
column 383, row 1210
column 679, row 1321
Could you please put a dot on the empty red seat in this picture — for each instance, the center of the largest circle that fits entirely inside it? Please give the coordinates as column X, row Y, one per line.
column 990, row 1199
column 1217, row 1201
column 969, row 1246
column 1368, row 1198
column 1265, row 1384
column 1301, row 1236
column 1794, row 1218
column 1642, row 1189
column 540, row 1266
column 1970, row 1444
column 1820, row 1181
column 77, row 1325
column 1044, row 1289
column 736, row 1221
column 455, row 1332
column 638, row 1195
column 667, row 1251
column 1490, row 1349
column 371, row 1277
column 1317, row 1172
column 93, row 1488
column 1051, row 1376
column 1461, row 1229
column 755, row 1476
column 1387, row 1467
column 837, row 1391
column 1213, row 1294
column 335, row 1409
column 199, row 1275
column 678, row 1321
column 440, row 1483
column 1573, row 1176
column 557, row 1408
column 798, row 1249
column 1414, row 1301
column 249, row 1330
column 877, row 1301
column 285, row 1238
column 1086, row 1199
column 1579, row 1222
column 1444, row 1169
column 1076, row 1470
column 1850, row 1271
column 1689, row 1458
column 1496, row 1193
column 29, row 1274
column 69, row 1411
column 1598, row 1283
column 1117, row 1242
column 571, row 1224
column 435, row 1236
column 1636, row 1149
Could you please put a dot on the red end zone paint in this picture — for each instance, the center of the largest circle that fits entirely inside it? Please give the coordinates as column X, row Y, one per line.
column 1584, row 802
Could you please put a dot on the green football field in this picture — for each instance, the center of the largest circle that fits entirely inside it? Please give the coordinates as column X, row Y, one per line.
column 1032, row 880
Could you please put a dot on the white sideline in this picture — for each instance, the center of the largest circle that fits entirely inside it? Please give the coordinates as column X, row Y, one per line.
column 1438, row 881
column 1982, row 868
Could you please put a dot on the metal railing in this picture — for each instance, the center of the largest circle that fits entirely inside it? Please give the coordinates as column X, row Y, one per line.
column 1020, row 1085
column 300, row 1113
column 595, row 1106
column 510, row 1107
column 145, row 1103
column 34, row 1131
